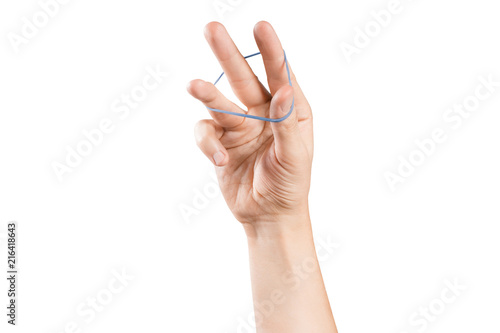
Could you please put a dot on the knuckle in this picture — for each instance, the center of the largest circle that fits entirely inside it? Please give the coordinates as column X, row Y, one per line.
column 243, row 83
column 209, row 97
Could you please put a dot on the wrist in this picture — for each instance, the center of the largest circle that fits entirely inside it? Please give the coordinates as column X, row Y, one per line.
column 279, row 227
column 286, row 245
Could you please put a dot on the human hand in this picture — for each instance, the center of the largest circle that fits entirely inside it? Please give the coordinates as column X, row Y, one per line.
column 263, row 168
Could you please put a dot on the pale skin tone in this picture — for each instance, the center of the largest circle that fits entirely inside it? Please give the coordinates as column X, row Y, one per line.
column 264, row 173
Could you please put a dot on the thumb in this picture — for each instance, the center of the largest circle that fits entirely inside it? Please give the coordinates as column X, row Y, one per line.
column 288, row 142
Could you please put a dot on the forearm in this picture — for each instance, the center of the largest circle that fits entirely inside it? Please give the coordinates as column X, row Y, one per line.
column 288, row 290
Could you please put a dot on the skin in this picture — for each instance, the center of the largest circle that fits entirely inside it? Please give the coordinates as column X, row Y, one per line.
column 264, row 172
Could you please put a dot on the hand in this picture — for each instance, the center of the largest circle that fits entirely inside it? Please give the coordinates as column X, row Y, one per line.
column 264, row 172
column 263, row 168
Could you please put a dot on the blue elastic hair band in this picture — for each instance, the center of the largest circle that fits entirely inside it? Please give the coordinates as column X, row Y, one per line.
column 257, row 117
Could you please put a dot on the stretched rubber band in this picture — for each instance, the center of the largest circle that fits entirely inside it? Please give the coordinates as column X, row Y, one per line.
column 257, row 117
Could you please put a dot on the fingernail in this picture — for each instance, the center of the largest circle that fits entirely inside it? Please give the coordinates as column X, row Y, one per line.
column 285, row 108
column 218, row 158
column 188, row 86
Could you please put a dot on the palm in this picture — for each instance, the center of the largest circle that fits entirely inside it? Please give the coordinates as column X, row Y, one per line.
column 243, row 179
column 252, row 181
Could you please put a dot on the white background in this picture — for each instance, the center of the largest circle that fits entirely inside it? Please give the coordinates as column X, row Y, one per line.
column 120, row 208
